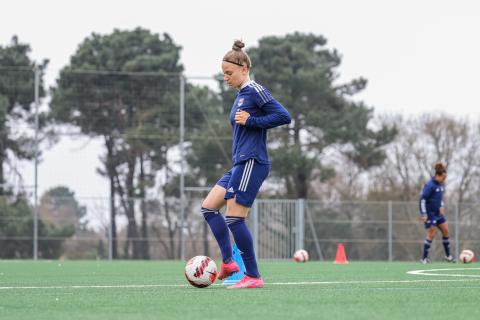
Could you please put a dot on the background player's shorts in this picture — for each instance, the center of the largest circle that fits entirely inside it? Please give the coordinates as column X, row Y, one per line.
column 435, row 220
column 243, row 181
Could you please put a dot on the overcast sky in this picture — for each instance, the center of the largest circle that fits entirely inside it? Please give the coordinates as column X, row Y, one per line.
column 418, row 56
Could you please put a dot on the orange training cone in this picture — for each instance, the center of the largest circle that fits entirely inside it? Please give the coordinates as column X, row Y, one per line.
column 341, row 257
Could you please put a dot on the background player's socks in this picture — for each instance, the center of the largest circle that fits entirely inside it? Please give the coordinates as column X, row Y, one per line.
column 446, row 246
column 220, row 230
column 244, row 241
column 426, row 248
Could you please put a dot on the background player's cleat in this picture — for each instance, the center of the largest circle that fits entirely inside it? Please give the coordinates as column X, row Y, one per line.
column 425, row 261
column 248, row 283
column 450, row 259
column 227, row 269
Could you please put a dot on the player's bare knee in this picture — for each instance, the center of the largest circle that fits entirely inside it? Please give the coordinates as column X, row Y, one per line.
column 206, row 204
column 209, row 204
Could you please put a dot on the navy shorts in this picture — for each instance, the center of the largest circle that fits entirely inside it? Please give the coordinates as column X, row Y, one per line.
column 435, row 220
column 243, row 181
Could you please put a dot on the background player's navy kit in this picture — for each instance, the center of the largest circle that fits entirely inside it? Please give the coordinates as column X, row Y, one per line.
column 249, row 142
column 431, row 200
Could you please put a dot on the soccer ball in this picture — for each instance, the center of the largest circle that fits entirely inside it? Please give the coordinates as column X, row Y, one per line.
column 201, row 271
column 467, row 256
column 300, row 256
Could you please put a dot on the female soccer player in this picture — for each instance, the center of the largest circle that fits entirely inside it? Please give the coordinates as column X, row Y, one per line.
column 432, row 212
column 253, row 112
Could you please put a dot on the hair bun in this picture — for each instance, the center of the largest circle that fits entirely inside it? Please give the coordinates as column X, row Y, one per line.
column 238, row 45
column 439, row 166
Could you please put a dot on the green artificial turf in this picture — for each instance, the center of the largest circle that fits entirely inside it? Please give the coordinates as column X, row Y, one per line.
column 314, row 290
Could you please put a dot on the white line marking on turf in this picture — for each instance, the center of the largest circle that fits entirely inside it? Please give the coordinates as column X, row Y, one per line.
column 428, row 272
column 98, row 286
column 268, row 283
column 369, row 281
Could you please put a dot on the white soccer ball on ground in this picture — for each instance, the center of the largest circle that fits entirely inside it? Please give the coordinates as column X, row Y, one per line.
column 201, row 271
column 300, row 256
column 467, row 256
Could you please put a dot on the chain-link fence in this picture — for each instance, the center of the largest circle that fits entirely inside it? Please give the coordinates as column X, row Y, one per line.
column 369, row 230
column 384, row 230
column 160, row 142
column 153, row 137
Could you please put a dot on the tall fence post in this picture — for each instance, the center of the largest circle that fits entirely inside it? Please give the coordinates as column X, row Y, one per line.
column 390, row 231
column 182, row 164
column 110, row 231
column 300, row 226
column 35, row 184
column 457, row 223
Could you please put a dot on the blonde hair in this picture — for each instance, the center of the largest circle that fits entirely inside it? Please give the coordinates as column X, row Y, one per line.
column 237, row 55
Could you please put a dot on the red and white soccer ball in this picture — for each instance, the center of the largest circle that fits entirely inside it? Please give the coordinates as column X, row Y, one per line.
column 300, row 256
column 201, row 271
column 467, row 256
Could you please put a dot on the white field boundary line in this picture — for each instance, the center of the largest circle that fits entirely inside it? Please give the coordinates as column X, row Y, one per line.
column 428, row 272
column 268, row 284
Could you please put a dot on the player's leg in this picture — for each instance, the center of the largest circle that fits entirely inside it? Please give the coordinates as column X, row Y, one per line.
column 431, row 231
column 235, row 215
column 243, row 188
column 443, row 226
column 210, row 210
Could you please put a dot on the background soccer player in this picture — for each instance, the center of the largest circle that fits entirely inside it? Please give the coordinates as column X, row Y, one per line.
column 253, row 112
column 432, row 212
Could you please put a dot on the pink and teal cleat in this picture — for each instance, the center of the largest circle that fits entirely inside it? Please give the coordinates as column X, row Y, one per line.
column 227, row 269
column 248, row 283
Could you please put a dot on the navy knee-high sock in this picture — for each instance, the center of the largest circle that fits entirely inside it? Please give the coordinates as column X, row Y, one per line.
column 426, row 248
column 446, row 246
column 220, row 230
column 244, row 241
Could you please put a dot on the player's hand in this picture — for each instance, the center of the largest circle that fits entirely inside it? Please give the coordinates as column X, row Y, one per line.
column 442, row 211
column 423, row 218
column 241, row 117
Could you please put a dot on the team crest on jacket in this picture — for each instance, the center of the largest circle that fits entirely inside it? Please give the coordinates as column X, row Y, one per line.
column 240, row 102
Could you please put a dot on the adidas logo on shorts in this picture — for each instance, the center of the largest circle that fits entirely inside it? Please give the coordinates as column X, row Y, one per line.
column 230, row 189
